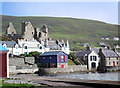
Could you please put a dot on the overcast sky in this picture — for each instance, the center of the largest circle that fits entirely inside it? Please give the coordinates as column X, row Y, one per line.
column 102, row 11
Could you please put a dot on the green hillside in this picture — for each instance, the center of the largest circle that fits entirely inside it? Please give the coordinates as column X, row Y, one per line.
column 75, row 30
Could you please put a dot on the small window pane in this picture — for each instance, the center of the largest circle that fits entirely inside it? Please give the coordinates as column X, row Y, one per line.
column 40, row 47
column 25, row 47
column 90, row 58
column 62, row 58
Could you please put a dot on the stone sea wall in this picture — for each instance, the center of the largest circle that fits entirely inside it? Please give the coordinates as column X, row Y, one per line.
column 69, row 69
column 22, row 65
column 113, row 68
column 13, row 70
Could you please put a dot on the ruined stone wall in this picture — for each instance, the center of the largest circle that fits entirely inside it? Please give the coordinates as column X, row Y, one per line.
column 11, row 30
column 28, row 31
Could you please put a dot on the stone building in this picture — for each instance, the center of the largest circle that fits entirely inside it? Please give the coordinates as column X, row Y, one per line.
column 31, row 34
column 27, row 31
column 10, row 29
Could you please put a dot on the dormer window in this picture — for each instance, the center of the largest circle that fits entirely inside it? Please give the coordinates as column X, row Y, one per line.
column 4, row 45
column 40, row 47
column 25, row 47
column 16, row 47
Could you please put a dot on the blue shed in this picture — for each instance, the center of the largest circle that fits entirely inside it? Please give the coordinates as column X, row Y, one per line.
column 54, row 59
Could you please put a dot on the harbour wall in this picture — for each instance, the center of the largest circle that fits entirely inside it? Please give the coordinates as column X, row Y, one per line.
column 69, row 69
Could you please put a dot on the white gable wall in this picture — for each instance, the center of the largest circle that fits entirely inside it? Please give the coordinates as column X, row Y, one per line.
column 92, row 61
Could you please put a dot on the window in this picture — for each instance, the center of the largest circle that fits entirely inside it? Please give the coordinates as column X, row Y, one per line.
column 117, row 62
column 40, row 47
column 25, row 47
column 16, row 47
column 62, row 58
column 25, row 52
column 95, row 58
column 117, row 58
column 90, row 58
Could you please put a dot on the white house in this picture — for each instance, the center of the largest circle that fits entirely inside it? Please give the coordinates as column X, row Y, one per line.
column 116, row 38
column 22, row 47
column 89, row 58
column 93, row 60
column 30, row 46
column 25, row 47
column 12, row 46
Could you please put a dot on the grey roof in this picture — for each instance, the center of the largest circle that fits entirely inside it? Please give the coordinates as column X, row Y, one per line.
column 9, row 43
column 51, row 53
column 96, row 50
column 53, row 46
column 86, row 44
column 106, row 52
column 110, row 53
column 82, row 53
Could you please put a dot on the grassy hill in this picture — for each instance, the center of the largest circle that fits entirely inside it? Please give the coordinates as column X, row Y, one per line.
column 75, row 30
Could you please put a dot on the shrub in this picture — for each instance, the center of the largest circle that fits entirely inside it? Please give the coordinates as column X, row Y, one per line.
column 71, row 56
column 39, row 65
column 28, row 55
column 70, row 62
column 35, row 54
column 22, row 54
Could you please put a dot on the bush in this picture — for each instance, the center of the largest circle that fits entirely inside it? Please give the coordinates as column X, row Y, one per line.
column 22, row 54
column 39, row 65
column 28, row 55
column 71, row 56
column 70, row 62
column 35, row 54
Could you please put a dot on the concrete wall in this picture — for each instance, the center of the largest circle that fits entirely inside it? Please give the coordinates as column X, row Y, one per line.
column 69, row 69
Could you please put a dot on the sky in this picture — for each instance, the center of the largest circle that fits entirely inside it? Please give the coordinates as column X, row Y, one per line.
column 102, row 11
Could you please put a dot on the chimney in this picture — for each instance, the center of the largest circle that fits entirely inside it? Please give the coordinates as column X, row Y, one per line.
column 62, row 40
column 57, row 42
column 108, row 47
column 114, row 49
column 100, row 50
column 88, row 48
column 46, row 42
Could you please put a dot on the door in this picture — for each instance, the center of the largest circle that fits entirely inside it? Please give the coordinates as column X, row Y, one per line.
column 62, row 66
column 93, row 65
column 49, row 65
column 113, row 63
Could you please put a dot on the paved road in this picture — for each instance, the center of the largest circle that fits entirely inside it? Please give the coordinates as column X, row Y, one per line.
column 52, row 81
